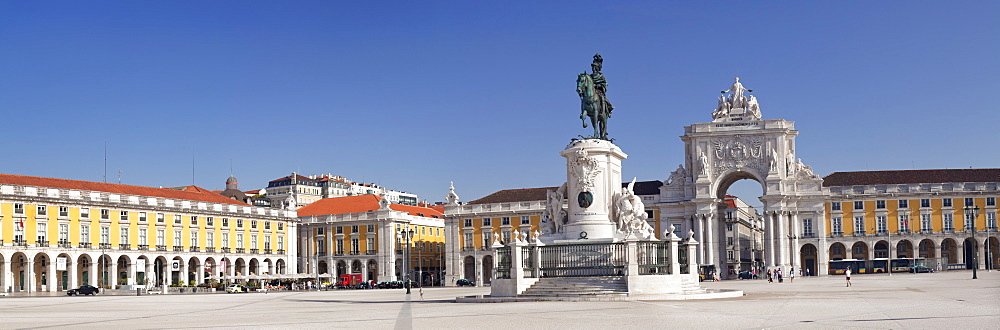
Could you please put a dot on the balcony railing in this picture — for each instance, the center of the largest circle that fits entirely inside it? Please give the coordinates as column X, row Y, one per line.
column 809, row 235
column 240, row 250
column 84, row 245
column 371, row 252
column 194, row 249
column 210, row 249
column 254, row 250
column 20, row 242
column 142, row 247
column 267, row 251
column 105, row 245
column 65, row 244
column 178, row 249
column 225, row 250
column 161, row 248
column 42, row 243
column 124, row 246
column 281, row 251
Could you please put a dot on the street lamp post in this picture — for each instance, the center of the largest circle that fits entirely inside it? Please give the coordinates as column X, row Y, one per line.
column 406, row 237
column 420, row 266
column 975, row 248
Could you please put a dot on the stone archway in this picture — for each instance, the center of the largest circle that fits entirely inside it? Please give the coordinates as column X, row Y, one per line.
column 904, row 249
column 838, row 251
column 969, row 249
column 881, row 250
column 736, row 145
column 65, row 276
column 341, row 268
column 372, row 270
column 949, row 252
column 487, row 269
column 808, row 261
column 20, row 266
column 42, row 278
column 991, row 254
column 469, row 267
column 859, row 251
column 926, row 249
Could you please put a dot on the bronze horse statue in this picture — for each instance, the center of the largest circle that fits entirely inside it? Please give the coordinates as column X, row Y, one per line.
column 593, row 105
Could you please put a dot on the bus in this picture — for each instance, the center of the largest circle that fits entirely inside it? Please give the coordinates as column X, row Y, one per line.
column 838, row 267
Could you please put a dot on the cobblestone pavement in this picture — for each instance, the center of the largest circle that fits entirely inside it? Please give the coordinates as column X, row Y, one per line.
column 939, row 300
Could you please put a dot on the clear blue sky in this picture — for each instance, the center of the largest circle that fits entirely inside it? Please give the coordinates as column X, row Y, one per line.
column 415, row 94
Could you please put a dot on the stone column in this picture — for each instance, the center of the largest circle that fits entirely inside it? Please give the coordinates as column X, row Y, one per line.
column 700, row 235
column 73, row 274
column 8, row 276
column 29, row 275
column 52, row 278
column 94, row 274
column 796, row 232
column 183, row 273
column 132, row 273
column 709, row 241
column 113, row 274
column 769, row 245
column 675, row 262
column 692, row 246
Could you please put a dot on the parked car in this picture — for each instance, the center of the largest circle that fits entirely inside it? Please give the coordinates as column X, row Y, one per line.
column 465, row 282
column 921, row 269
column 746, row 275
column 235, row 288
column 86, row 289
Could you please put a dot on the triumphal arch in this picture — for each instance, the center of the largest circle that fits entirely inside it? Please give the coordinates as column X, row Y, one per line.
column 739, row 144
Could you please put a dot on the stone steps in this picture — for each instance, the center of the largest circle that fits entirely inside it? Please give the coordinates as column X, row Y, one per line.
column 578, row 286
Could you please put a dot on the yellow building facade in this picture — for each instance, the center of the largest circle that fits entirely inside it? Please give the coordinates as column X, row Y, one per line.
column 365, row 235
column 59, row 234
column 881, row 215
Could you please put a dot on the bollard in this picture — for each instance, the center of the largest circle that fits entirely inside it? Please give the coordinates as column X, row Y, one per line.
column 137, row 292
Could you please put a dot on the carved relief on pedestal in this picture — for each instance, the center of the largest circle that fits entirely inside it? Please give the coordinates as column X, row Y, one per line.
column 585, row 170
column 740, row 152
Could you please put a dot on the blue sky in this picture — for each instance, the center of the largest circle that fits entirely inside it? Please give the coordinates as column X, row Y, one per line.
column 413, row 95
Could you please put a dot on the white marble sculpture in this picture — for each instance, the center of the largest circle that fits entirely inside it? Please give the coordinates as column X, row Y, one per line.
column 585, row 170
column 678, row 176
column 630, row 214
column 554, row 215
column 452, row 197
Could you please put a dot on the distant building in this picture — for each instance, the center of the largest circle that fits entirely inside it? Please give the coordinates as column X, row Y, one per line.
column 744, row 235
column 359, row 235
column 304, row 190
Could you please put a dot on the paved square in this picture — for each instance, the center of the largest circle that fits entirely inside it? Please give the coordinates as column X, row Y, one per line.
column 938, row 300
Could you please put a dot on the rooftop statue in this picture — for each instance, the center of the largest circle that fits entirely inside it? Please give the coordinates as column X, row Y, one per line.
column 592, row 89
column 737, row 103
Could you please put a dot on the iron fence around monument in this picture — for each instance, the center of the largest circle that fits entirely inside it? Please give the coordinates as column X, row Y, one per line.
column 503, row 262
column 573, row 260
column 528, row 261
column 654, row 258
column 682, row 257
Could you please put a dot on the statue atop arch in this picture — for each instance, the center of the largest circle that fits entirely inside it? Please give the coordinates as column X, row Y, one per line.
column 734, row 104
column 594, row 103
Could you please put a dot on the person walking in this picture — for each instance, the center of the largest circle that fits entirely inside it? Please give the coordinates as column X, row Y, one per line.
column 778, row 274
column 847, row 275
column 769, row 279
column 791, row 275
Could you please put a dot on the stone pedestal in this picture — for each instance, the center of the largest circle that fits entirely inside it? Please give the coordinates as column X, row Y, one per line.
column 593, row 176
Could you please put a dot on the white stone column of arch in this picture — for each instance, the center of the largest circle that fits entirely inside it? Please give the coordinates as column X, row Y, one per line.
column 774, row 248
column 709, row 240
column 73, row 269
column 52, row 279
column 783, row 240
column 93, row 273
column 199, row 273
column 8, row 274
column 183, row 273
column 699, row 234
column 29, row 273
column 823, row 250
column 113, row 273
column 150, row 270
column 131, row 271
column 795, row 251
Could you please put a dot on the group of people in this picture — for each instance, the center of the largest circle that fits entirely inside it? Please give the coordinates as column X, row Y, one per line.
column 780, row 275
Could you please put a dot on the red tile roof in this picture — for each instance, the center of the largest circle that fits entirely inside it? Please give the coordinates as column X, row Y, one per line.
column 911, row 176
column 361, row 203
column 539, row 194
column 192, row 193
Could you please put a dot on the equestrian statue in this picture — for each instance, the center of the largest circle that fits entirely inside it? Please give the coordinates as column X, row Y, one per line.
column 592, row 89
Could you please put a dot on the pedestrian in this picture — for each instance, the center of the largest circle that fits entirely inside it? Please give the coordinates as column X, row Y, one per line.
column 791, row 275
column 847, row 276
column 769, row 279
column 421, row 292
column 780, row 278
